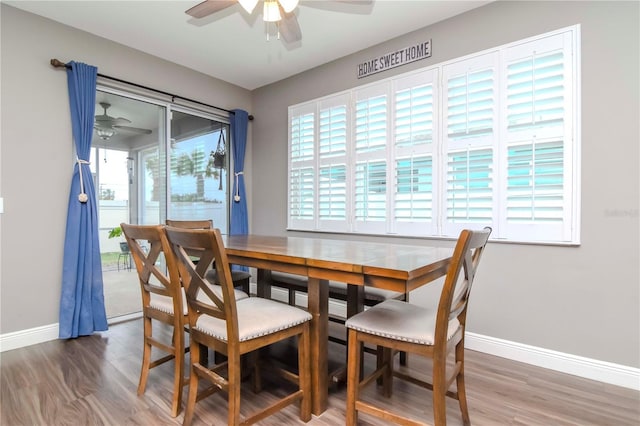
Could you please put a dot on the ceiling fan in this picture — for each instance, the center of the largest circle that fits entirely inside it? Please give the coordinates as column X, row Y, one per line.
column 281, row 12
column 107, row 126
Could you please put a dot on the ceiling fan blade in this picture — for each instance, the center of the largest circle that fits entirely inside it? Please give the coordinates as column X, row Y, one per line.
column 208, row 7
column 120, row 120
column 134, row 129
column 289, row 27
column 107, row 121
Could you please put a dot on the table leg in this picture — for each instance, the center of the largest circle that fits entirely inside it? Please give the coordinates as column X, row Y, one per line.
column 355, row 305
column 318, row 305
column 264, row 284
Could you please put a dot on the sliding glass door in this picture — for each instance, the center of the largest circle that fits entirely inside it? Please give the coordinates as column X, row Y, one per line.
column 151, row 161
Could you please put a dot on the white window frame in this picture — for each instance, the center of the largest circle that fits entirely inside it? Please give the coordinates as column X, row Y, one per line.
column 562, row 229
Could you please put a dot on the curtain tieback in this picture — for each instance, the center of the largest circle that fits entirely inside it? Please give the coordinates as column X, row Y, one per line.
column 82, row 197
column 236, row 197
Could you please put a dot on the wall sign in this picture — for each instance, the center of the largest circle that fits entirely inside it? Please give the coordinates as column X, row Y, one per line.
column 395, row 59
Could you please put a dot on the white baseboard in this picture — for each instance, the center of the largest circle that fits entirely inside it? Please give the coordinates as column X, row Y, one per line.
column 32, row 336
column 602, row 371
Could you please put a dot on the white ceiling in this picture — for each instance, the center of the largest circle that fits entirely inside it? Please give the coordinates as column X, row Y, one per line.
column 231, row 45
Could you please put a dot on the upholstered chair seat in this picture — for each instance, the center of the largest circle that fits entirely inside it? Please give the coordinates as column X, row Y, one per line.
column 402, row 321
column 256, row 317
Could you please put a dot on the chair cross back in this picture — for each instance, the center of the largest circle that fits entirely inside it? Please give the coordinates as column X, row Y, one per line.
column 240, row 278
column 146, row 262
column 202, row 244
column 460, row 275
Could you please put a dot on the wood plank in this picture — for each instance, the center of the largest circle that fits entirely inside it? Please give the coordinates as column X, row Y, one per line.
column 93, row 380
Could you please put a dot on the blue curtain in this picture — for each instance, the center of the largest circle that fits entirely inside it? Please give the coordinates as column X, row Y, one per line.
column 82, row 309
column 239, row 217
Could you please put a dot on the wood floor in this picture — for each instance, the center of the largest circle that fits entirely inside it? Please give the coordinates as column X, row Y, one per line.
column 92, row 381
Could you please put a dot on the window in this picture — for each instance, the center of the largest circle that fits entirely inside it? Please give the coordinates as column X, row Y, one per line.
column 488, row 139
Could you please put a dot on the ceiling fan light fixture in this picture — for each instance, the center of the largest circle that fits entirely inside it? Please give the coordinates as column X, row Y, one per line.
column 248, row 5
column 288, row 5
column 271, row 11
column 105, row 133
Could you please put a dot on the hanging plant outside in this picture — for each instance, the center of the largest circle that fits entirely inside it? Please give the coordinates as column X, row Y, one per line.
column 219, row 156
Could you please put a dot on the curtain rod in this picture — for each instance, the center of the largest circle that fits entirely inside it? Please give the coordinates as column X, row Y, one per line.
column 59, row 64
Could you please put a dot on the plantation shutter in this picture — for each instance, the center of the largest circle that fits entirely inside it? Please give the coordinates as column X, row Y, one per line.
column 414, row 133
column 333, row 179
column 302, row 169
column 471, row 120
column 370, row 192
column 537, row 199
column 371, row 142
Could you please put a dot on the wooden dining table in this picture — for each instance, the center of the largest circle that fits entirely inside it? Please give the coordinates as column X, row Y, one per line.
column 396, row 267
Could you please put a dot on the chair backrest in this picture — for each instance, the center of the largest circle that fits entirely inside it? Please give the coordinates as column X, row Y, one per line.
column 147, row 243
column 461, row 272
column 191, row 224
column 206, row 245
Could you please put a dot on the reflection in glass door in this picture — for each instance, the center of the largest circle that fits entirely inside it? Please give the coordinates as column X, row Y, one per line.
column 198, row 180
column 124, row 129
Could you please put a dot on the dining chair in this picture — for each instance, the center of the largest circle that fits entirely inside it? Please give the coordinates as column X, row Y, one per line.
column 240, row 278
column 162, row 301
column 433, row 333
column 235, row 327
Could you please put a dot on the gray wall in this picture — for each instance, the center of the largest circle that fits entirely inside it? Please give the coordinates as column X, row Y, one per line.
column 581, row 300
column 577, row 300
column 37, row 148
